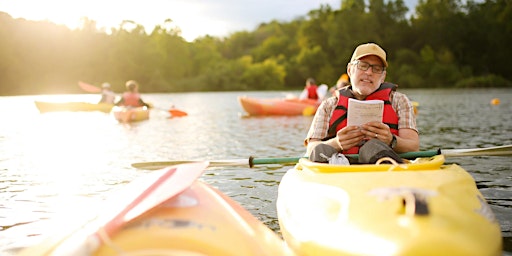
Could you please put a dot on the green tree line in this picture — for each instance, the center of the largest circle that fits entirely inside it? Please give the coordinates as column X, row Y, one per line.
column 445, row 43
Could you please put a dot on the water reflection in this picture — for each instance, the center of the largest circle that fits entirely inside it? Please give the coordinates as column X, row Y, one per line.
column 55, row 163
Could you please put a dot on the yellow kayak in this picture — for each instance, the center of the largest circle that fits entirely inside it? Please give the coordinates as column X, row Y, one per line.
column 199, row 221
column 44, row 106
column 421, row 208
column 126, row 115
column 415, row 105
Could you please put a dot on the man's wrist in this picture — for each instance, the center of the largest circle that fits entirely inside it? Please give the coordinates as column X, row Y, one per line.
column 392, row 144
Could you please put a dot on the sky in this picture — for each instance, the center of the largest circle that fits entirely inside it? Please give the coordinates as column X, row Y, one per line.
column 195, row 18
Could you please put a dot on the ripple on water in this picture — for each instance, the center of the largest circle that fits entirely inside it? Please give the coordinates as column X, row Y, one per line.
column 88, row 155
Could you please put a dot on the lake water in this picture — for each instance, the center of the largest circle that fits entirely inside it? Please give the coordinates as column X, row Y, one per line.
column 60, row 165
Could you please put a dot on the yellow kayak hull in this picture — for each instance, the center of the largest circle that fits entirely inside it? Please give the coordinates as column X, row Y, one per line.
column 126, row 115
column 421, row 208
column 199, row 221
column 44, row 106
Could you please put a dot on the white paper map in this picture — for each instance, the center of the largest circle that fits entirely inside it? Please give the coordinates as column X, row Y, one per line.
column 363, row 111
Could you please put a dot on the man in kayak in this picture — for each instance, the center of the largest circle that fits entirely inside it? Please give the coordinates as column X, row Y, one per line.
column 329, row 131
column 131, row 98
column 107, row 95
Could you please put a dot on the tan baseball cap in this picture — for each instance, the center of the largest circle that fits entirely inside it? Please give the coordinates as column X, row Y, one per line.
column 369, row 49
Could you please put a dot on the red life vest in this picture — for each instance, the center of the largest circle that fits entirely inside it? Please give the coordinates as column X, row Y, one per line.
column 339, row 115
column 131, row 99
column 312, row 92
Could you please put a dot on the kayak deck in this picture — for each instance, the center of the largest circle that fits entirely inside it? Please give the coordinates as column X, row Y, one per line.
column 420, row 211
column 199, row 221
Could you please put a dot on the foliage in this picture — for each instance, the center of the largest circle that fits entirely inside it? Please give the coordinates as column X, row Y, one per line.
column 484, row 81
column 445, row 43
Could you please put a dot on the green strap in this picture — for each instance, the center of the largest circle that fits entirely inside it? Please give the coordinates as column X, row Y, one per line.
column 409, row 155
column 286, row 160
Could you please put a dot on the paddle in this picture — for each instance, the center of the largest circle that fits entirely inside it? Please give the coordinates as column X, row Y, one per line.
column 177, row 113
column 89, row 87
column 168, row 183
column 505, row 150
column 173, row 111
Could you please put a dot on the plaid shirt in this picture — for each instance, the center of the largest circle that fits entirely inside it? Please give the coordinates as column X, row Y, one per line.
column 399, row 102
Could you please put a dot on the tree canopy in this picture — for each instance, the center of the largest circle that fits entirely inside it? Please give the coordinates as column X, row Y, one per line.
column 445, row 43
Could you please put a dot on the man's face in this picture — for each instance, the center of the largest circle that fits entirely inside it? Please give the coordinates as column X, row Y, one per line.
column 365, row 82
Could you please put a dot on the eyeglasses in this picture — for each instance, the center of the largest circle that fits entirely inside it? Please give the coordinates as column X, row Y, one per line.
column 361, row 65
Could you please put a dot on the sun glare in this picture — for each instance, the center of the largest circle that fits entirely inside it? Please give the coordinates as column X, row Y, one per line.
column 190, row 17
column 57, row 11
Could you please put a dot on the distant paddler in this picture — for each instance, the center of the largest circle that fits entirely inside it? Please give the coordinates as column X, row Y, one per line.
column 132, row 98
column 107, row 95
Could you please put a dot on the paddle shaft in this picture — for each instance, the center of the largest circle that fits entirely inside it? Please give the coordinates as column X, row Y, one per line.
column 288, row 160
column 251, row 162
column 505, row 150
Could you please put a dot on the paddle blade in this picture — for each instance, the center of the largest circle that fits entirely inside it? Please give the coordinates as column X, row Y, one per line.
column 171, row 182
column 89, row 87
column 157, row 188
column 177, row 113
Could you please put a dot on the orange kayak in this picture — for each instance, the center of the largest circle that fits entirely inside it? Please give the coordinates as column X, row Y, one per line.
column 278, row 106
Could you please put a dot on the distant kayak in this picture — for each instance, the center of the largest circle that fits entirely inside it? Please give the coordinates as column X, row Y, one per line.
column 43, row 106
column 127, row 115
column 278, row 106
